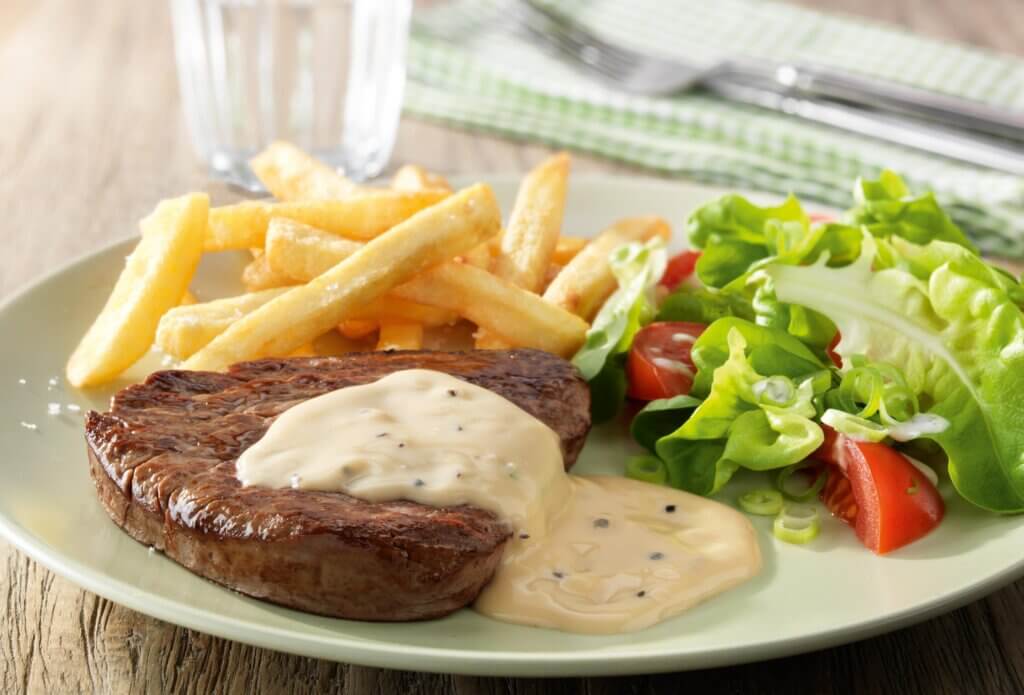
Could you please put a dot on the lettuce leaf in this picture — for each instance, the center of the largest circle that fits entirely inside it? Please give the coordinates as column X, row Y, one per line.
column 735, row 233
column 759, row 388
column 602, row 359
column 704, row 305
column 660, row 418
column 740, row 238
column 886, row 208
column 949, row 322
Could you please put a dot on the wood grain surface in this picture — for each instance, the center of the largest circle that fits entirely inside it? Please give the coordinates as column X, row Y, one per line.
column 90, row 137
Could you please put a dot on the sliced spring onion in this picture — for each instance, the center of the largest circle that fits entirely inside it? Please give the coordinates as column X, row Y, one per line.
column 797, row 523
column 797, row 492
column 649, row 469
column 764, row 502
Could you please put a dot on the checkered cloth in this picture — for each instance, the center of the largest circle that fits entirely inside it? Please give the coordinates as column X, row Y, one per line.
column 472, row 66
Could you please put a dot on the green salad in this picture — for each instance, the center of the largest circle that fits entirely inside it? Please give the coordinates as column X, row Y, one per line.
column 854, row 356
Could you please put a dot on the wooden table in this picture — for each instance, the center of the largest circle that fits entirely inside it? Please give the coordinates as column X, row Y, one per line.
column 90, row 137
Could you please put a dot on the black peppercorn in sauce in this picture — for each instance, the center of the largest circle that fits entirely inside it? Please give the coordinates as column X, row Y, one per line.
column 612, row 561
column 599, row 554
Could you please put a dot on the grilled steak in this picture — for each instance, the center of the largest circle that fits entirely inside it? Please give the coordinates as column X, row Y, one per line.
column 163, row 460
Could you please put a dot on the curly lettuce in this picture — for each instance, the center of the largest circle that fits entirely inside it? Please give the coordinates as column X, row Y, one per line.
column 752, row 406
column 739, row 239
column 886, row 208
column 949, row 322
column 602, row 359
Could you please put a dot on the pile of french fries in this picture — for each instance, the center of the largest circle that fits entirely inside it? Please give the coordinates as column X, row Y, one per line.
column 374, row 267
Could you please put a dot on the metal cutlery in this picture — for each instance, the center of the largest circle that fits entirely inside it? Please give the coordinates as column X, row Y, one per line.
column 928, row 121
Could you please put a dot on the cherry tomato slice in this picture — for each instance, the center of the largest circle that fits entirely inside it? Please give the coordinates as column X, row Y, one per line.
column 877, row 490
column 679, row 268
column 659, row 363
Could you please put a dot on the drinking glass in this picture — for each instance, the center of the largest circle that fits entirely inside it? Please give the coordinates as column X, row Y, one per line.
column 327, row 75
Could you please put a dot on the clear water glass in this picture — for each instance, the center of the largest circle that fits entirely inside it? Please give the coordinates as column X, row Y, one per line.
column 327, row 75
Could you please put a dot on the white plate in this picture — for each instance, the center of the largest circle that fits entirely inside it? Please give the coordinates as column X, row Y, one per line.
column 807, row 598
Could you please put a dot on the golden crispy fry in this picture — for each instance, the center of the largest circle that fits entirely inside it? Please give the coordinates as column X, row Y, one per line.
column 567, row 248
column 259, row 275
column 529, row 241
column 185, row 330
column 413, row 177
column 519, row 317
column 587, row 281
column 480, row 256
column 357, row 329
column 302, row 252
column 534, row 225
column 391, row 308
column 363, row 217
column 291, row 174
column 553, row 270
column 188, row 298
column 333, row 343
column 429, row 237
column 155, row 277
column 307, row 350
column 400, row 335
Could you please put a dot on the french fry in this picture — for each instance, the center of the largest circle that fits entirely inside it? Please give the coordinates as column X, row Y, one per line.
column 291, row 174
column 333, row 343
column 587, row 281
column 188, row 298
column 400, row 335
column 307, row 350
column 357, row 329
column 480, row 256
column 567, row 248
column 185, row 330
column 302, row 252
column 155, row 277
column 529, row 241
column 533, row 227
column 391, row 308
column 553, row 270
column 426, row 239
column 518, row 317
column 413, row 177
column 259, row 275
column 363, row 217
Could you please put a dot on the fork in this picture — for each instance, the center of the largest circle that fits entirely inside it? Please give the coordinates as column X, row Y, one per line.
column 983, row 136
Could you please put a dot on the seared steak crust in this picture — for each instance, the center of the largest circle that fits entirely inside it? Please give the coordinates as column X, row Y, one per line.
column 163, row 460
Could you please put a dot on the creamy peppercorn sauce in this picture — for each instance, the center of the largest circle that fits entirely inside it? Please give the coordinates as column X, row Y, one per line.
column 589, row 554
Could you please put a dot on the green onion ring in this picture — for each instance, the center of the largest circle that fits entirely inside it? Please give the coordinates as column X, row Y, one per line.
column 812, row 490
column 649, row 469
column 797, row 524
column 763, row 502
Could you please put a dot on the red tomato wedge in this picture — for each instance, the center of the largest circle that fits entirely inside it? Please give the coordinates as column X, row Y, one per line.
column 878, row 491
column 659, row 363
column 679, row 268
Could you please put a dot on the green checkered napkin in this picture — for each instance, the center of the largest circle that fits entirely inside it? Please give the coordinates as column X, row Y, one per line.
column 470, row 65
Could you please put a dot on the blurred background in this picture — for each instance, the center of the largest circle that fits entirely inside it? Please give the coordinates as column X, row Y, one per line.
column 93, row 96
